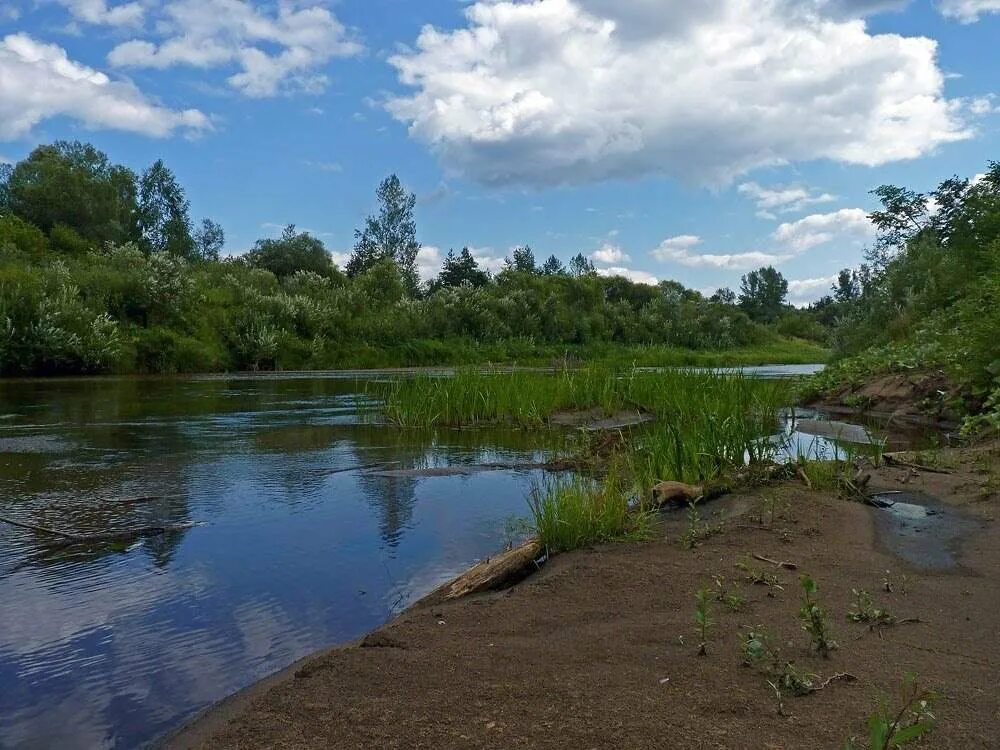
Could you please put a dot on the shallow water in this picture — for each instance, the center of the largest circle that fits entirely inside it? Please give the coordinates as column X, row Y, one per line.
column 110, row 647
column 115, row 645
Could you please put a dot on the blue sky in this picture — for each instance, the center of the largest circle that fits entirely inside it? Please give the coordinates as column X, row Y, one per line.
column 666, row 140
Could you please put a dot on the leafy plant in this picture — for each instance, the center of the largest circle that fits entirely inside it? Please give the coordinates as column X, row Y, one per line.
column 864, row 610
column 703, row 619
column 913, row 719
column 814, row 619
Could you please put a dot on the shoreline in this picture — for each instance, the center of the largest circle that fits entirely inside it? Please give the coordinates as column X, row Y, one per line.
column 257, row 715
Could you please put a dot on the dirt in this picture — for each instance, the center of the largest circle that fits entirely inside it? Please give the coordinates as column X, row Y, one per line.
column 598, row 649
column 926, row 398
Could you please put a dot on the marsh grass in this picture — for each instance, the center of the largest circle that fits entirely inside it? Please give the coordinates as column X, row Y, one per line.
column 573, row 513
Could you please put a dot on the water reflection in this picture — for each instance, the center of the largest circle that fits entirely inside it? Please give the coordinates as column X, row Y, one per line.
column 111, row 645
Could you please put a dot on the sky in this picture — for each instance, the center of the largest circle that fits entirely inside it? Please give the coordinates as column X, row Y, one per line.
column 665, row 139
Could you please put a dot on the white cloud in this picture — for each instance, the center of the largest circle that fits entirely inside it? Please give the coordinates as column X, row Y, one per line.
column 846, row 225
column 680, row 250
column 487, row 259
column 609, row 254
column 274, row 53
column 968, row 11
column 572, row 91
column 808, row 290
column 429, row 260
column 781, row 199
column 983, row 105
column 632, row 274
column 39, row 81
column 98, row 12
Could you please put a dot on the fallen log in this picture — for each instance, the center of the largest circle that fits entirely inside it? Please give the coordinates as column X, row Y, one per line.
column 777, row 563
column 496, row 572
column 66, row 538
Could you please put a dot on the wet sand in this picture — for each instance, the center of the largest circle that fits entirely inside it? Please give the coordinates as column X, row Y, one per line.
column 599, row 650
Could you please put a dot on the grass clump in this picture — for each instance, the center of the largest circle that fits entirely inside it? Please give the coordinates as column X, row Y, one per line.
column 703, row 619
column 864, row 610
column 574, row 513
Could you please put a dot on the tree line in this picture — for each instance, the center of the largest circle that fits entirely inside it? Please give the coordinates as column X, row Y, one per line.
column 102, row 269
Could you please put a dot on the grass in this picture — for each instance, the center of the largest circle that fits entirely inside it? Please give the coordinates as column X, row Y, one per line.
column 571, row 513
column 706, row 422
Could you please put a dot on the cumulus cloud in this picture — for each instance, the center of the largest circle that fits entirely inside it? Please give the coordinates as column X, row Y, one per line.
column 847, row 225
column 38, row 81
column 809, row 290
column 778, row 199
column 609, row 254
column 274, row 52
column 571, row 91
column 98, row 12
column 968, row 11
column 632, row 274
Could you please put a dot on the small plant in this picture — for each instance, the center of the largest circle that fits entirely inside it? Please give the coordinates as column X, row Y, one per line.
column 734, row 602
column 814, row 618
column 698, row 530
column 888, row 729
column 703, row 619
column 864, row 610
column 757, row 577
column 760, row 650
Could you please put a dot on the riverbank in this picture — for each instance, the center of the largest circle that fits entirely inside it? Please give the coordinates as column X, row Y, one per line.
column 599, row 648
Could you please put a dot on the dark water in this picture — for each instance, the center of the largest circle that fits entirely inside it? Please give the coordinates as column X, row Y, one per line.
column 113, row 646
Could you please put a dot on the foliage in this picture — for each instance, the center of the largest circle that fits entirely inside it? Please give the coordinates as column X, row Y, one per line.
column 763, row 293
column 164, row 223
column 890, row 728
column 574, row 513
column 703, row 619
column 291, row 253
column 392, row 234
column 814, row 619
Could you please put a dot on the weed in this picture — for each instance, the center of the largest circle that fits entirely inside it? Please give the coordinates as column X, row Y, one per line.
column 814, row 618
column 734, row 602
column 757, row 577
column 703, row 619
column 864, row 610
column 889, row 728
column 698, row 530
column 568, row 514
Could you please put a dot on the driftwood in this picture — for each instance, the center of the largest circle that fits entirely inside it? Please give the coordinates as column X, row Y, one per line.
column 777, row 563
column 496, row 572
column 66, row 538
column 892, row 459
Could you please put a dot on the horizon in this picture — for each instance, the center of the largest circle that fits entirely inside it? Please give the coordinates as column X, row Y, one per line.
column 554, row 124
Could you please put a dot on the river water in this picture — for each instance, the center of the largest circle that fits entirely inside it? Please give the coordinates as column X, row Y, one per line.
column 296, row 546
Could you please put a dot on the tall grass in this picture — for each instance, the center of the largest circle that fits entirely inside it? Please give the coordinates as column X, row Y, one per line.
column 573, row 513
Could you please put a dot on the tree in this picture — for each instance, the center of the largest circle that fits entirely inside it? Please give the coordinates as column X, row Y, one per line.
column 391, row 234
column 580, row 265
column 553, row 267
column 293, row 251
column 459, row 270
column 847, row 288
column 522, row 260
column 723, row 296
column 74, row 184
column 763, row 293
column 163, row 213
column 209, row 239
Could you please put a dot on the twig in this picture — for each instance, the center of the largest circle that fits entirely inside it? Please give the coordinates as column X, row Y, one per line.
column 785, row 565
column 777, row 694
column 892, row 460
column 846, row 676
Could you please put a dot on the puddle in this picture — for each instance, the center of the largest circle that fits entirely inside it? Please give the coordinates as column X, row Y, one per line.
column 920, row 529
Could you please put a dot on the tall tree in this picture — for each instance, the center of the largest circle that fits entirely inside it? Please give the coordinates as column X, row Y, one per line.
column 392, row 233
column 581, row 265
column 763, row 293
column 553, row 267
column 163, row 213
column 847, row 288
column 522, row 260
column 724, row 296
column 460, row 270
column 209, row 239
column 74, row 184
column 293, row 251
